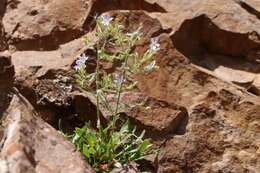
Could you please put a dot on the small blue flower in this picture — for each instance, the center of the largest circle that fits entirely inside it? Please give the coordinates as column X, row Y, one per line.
column 80, row 62
column 83, row 58
column 154, row 45
column 105, row 20
column 77, row 67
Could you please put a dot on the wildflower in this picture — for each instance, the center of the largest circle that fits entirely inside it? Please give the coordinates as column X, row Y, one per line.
column 154, row 45
column 80, row 62
column 118, row 79
column 151, row 67
column 105, row 20
column 83, row 58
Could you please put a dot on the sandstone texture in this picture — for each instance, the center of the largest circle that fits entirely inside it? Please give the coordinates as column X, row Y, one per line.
column 201, row 108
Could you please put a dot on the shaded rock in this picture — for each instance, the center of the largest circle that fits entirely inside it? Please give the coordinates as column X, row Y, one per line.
column 6, row 71
column 101, row 6
column 3, row 45
column 30, row 145
column 44, row 25
column 6, row 81
column 49, row 94
column 2, row 8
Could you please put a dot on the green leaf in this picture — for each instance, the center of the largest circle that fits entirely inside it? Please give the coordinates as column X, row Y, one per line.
column 144, row 146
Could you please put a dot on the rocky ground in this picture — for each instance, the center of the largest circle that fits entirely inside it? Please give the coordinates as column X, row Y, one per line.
column 204, row 98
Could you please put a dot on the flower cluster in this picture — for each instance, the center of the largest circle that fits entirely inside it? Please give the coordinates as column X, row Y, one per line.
column 80, row 62
column 154, row 45
column 105, row 20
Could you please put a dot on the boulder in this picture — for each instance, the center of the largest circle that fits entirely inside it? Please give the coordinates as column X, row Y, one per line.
column 44, row 25
column 30, row 145
column 222, row 135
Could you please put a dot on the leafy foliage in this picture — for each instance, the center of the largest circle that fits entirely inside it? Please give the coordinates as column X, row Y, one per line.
column 108, row 146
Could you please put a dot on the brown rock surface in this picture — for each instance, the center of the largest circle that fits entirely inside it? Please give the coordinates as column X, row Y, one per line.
column 6, row 81
column 222, row 36
column 202, row 105
column 31, row 145
column 222, row 135
column 27, row 143
column 43, row 25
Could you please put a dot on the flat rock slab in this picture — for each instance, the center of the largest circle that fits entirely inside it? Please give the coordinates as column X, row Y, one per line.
column 159, row 118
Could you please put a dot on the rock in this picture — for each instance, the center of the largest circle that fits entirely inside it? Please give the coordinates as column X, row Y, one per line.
column 6, row 71
column 102, row 6
column 43, row 61
column 222, row 135
column 215, row 115
column 6, row 80
column 236, row 76
column 224, row 34
column 157, row 117
column 256, row 85
column 2, row 38
column 44, row 25
column 31, row 145
column 200, row 120
column 149, row 27
column 2, row 8
column 27, row 143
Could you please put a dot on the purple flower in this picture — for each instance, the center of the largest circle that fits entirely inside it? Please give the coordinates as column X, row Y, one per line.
column 118, row 79
column 105, row 20
column 80, row 62
column 154, row 45
column 83, row 58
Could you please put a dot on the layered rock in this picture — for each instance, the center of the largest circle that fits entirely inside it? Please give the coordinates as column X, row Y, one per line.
column 197, row 108
column 43, row 25
column 28, row 144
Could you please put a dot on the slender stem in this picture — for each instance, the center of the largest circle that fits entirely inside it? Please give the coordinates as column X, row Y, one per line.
column 121, row 84
column 97, row 87
column 97, row 82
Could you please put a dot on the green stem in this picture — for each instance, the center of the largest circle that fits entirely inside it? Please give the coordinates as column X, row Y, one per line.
column 97, row 87
column 121, row 86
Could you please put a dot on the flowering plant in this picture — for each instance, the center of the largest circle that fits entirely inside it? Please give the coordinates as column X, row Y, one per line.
column 111, row 146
